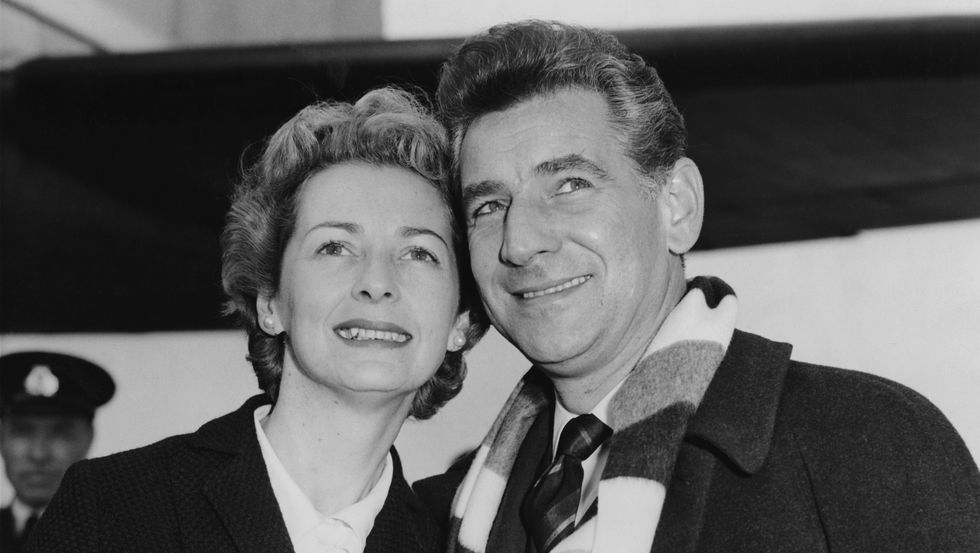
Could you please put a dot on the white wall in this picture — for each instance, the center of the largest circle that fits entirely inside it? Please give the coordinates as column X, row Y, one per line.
column 406, row 19
column 902, row 303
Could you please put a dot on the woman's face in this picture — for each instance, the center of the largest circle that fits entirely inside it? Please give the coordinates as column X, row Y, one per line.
column 369, row 287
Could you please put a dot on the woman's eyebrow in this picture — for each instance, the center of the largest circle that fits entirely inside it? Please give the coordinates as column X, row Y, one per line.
column 408, row 232
column 352, row 228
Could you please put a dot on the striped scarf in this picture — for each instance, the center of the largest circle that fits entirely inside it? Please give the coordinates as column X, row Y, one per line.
column 648, row 415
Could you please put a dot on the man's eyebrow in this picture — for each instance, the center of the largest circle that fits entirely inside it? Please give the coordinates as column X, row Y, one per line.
column 570, row 162
column 408, row 232
column 479, row 189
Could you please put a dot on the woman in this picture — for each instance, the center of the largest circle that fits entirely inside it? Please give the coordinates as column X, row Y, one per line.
column 342, row 259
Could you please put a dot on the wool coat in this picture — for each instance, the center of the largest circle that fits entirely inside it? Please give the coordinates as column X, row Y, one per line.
column 208, row 491
column 10, row 542
column 783, row 456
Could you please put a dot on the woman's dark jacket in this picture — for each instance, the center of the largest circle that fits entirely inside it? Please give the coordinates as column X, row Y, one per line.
column 206, row 491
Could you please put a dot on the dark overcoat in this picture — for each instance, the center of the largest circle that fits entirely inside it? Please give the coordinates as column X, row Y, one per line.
column 783, row 456
column 10, row 542
column 208, row 491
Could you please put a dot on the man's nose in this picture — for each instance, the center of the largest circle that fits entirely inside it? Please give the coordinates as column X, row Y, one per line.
column 39, row 449
column 377, row 280
column 527, row 233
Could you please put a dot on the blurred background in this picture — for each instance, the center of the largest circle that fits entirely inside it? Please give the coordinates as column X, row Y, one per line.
column 839, row 142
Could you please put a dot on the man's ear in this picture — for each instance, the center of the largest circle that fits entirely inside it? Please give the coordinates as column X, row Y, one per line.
column 268, row 314
column 683, row 198
column 457, row 336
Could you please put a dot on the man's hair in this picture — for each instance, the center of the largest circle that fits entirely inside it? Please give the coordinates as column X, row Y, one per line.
column 514, row 62
column 386, row 127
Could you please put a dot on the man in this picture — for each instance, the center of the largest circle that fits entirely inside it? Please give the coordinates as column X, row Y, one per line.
column 47, row 402
column 685, row 435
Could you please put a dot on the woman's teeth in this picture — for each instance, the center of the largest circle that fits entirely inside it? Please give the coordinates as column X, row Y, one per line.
column 361, row 334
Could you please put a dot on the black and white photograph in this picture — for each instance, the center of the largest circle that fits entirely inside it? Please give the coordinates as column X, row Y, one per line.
column 425, row 276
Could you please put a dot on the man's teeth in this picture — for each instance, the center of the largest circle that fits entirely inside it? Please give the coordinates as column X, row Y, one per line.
column 370, row 334
column 563, row 286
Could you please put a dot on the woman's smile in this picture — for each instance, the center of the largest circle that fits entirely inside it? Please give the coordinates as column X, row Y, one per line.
column 372, row 333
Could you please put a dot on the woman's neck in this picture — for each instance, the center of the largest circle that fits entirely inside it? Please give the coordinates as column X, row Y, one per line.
column 334, row 451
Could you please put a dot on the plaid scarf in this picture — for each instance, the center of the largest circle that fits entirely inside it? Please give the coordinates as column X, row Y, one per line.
column 649, row 415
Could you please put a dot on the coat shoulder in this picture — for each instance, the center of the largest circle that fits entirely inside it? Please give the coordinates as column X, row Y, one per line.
column 878, row 450
column 822, row 400
column 437, row 492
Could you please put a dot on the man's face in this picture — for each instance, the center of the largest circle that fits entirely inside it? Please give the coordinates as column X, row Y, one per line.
column 567, row 247
column 37, row 450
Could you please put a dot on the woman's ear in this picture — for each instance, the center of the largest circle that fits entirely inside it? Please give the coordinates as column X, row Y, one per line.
column 457, row 336
column 683, row 197
column 266, row 309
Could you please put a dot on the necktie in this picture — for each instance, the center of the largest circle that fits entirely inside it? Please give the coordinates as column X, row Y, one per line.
column 549, row 509
column 28, row 526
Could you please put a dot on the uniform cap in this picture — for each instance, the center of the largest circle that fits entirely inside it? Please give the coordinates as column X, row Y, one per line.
column 41, row 382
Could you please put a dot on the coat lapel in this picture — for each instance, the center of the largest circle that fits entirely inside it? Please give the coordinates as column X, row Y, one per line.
column 231, row 475
column 735, row 420
column 242, row 497
column 404, row 524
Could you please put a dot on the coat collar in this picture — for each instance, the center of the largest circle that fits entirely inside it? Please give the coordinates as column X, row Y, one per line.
column 241, row 493
column 231, row 475
column 738, row 411
column 233, row 433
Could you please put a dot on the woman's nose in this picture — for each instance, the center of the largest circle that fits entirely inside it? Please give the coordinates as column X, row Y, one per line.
column 377, row 281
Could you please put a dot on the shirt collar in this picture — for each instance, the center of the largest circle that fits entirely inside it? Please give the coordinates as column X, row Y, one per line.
column 564, row 416
column 21, row 512
column 298, row 512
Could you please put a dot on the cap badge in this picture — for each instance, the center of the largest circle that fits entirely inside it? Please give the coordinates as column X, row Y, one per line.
column 41, row 382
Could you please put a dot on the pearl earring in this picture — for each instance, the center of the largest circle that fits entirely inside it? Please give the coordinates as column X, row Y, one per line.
column 269, row 323
column 460, row 341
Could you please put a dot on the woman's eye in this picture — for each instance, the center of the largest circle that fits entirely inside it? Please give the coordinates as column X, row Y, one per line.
column 421, row 254
column 572, row 184
column 486, row 208
column 332, row 248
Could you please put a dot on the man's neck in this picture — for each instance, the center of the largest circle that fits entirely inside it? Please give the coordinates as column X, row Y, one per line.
column 21, row 512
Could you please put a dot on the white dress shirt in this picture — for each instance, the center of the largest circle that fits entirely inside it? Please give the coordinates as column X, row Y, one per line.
column 311, row 531
column 591, row 467
column 21, row 512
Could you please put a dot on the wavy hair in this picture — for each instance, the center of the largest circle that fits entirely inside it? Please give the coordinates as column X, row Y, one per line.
column 514, row 62
column 386, row 127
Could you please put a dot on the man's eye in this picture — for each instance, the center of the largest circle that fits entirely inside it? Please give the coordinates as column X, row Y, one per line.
column 487, row 208
column 332, row 248
column 572, row 184
column 421, row 254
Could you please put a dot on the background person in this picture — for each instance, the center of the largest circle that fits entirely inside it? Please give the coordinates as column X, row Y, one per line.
column 47, row 403
column 648, row 422
column 340, row 259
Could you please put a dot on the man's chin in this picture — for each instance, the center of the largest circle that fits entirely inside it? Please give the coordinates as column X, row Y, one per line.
column 37, row 499
column 558, row 357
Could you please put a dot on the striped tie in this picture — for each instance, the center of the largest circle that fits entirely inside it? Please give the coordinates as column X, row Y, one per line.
column 548, row 511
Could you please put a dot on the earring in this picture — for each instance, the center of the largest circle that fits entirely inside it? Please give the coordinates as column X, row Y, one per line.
column 460, row 341
column 270, row 324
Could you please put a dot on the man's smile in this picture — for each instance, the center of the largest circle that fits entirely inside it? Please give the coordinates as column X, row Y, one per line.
column 552, row 289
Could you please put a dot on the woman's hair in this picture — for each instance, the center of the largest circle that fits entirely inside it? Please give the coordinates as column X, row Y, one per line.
column 514, row 62
column 386, row 127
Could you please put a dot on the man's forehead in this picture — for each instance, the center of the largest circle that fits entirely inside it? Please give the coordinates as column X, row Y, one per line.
column 563, row 130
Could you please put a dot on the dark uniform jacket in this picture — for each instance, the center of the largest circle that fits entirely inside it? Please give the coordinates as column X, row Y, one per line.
column 208, row 491
column 783, row 456
column 10, row 542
